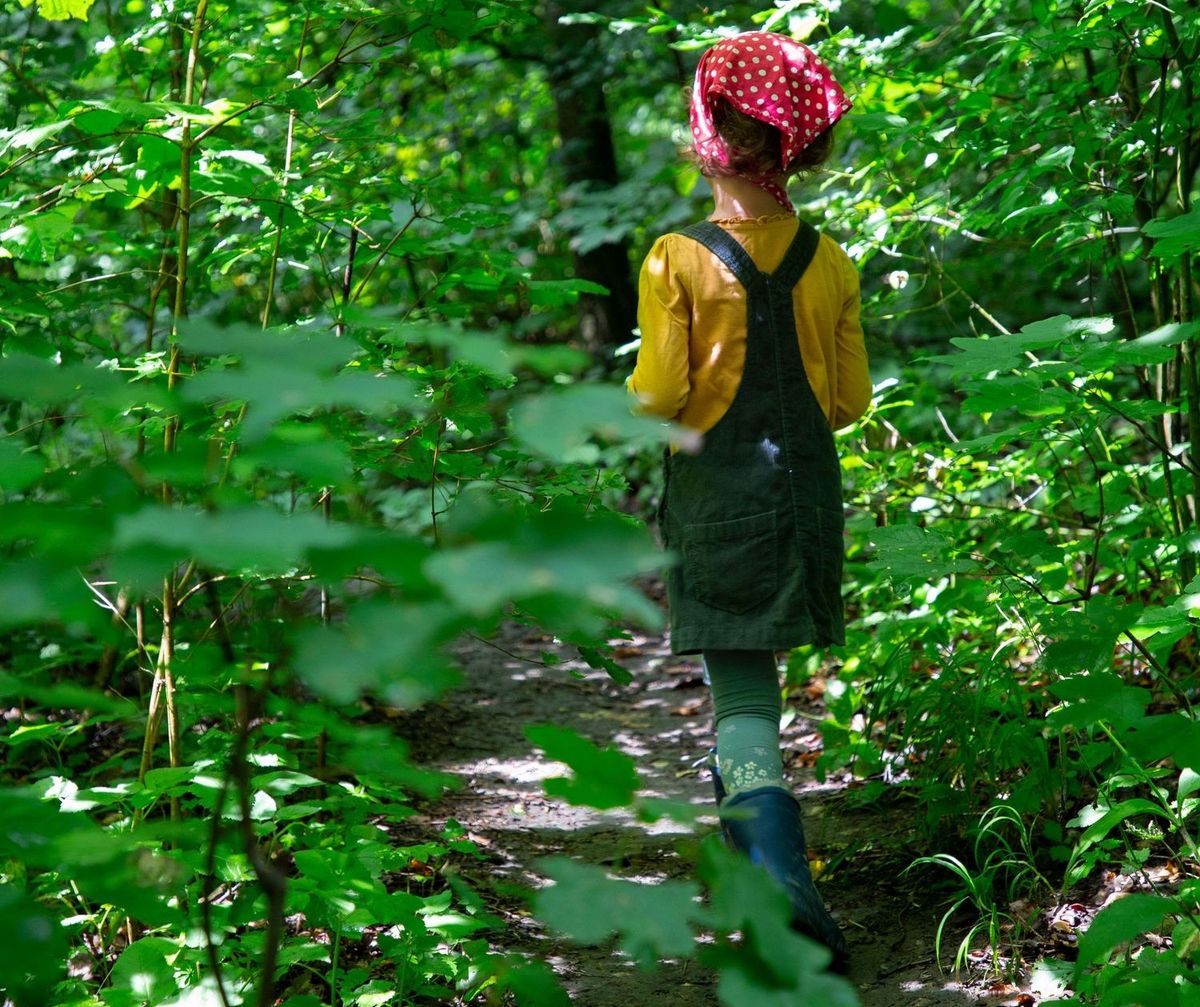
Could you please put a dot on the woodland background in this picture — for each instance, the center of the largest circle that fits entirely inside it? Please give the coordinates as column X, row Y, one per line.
column 313, row 318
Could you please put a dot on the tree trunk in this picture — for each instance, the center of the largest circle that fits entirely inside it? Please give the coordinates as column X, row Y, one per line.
column 576, row 72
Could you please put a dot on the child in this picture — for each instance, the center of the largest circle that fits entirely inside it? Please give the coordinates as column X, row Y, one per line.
column 751, row 336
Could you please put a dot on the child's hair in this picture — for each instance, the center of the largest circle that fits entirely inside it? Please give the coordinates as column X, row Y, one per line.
column 755, row 146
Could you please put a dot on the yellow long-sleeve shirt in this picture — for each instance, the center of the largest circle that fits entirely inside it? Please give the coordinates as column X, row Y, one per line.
column 692, row 313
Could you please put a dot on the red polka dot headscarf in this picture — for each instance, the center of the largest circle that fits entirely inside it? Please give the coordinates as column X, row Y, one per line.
column 773, row 79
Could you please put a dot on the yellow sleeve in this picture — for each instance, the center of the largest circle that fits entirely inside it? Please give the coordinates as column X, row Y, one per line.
column 853, row 377
column 659, row 381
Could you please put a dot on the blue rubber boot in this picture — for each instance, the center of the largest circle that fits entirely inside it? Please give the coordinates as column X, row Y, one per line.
column 769, row 831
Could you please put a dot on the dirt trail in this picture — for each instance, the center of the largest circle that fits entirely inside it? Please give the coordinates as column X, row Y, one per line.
column 663, row 719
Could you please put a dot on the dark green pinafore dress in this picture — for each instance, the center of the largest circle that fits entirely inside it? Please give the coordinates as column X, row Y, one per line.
column 756, row 516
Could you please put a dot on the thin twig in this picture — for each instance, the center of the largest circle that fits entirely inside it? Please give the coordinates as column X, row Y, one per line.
column 214, row 832
column 270, row 879
column 509, row 653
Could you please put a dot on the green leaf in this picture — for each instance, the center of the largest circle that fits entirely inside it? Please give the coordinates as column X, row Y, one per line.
column 23, row 735
column 145, row 883
column 910, row 553
column 1119, row 922
column 20, row 467
column 1172, row 736
column 27, row 138
column 66, row 695
column 1058, row 157
column 287, row 371
column 1099, row 697
column 1024, row 393
column 604, row 778
column 588, row 906
column 742, row 987
column 774, row 965
column 303, row 449
column 1175, row 617
column 981, row 356
column 284, row 782
column 391, row 650
column 40, row 590
column 378, row 995
column 998, row 440
column 1085, row 640
column 575, row 562
column 1097, row 828
column 309, row 349
column 396, row 559
column 31, row 829
column 1176, row 236
column 595, row 658
column 33, row 949
column 1156, row 347
column 203, row 994
column 559, row 292
column 488, row 350
column 1189, row 783
column 98, row 120
column 62, row 10
column 261, row 538
column 563, row 425
column 163, row 779
column 274, row 391
column 741, row 893
column 262, row 807
column 30, row 379
column 144, row 971
column 532, row 984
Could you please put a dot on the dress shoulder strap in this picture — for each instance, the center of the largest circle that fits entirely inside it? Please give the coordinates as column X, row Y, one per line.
column 726, row 248
column 729, row 250
column 798, row 256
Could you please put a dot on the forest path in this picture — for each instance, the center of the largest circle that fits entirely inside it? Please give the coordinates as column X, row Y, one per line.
column 663, row 718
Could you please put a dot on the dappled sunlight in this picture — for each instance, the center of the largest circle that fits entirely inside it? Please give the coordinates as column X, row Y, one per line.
column 316, row 332
column 662, row 720
column 948, row 993
column 518, row 770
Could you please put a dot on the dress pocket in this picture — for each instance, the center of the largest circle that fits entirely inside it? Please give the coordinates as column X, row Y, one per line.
column 732, row 565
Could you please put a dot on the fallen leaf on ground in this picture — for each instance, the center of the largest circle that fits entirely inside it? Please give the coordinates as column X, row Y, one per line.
column 1065, row 923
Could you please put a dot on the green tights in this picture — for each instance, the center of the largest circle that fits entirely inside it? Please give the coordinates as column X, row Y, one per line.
column 747, row 705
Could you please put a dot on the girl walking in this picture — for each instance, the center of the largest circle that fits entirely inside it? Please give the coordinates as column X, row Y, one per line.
column 751, row 336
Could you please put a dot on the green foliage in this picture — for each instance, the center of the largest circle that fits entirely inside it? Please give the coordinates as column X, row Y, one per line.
column 61, row 10
column 259, row 354
column 652, row 920
column 604, row 778
column 1120, row 922
column 33, row 948
column 561, row 424
column 292, row 396
column 770, row 963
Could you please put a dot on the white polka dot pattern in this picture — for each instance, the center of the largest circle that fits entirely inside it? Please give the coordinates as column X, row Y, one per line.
column 734, row 68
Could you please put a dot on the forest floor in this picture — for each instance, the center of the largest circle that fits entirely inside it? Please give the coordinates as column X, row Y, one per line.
column 663, row 718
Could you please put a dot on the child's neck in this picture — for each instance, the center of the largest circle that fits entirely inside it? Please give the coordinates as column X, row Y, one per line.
column 736, row 197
